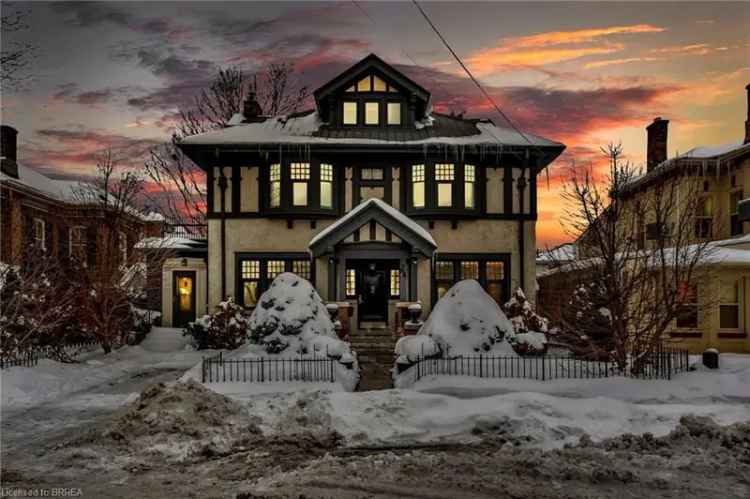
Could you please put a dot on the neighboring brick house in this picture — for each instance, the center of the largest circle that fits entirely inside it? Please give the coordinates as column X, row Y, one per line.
column 42, row 212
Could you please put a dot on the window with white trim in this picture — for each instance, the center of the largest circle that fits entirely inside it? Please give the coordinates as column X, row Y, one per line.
column 77, row 242
column 40, row 234
column 729, row 306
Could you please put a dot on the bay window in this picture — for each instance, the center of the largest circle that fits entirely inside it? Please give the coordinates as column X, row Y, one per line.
column 417, row 185
column 444, row 177
column 300, row 175
column 326, row 186
column 443, row 188
column 469, row 180
column 275, row 184
column 299, row 188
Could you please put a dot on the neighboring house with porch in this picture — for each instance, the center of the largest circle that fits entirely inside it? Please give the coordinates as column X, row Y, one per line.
column 372, row 196
column 718, row 312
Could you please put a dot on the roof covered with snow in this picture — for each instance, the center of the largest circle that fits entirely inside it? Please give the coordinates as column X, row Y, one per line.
column 306, row 128
column 400, row 224
column 562, row 253
column 31, row 179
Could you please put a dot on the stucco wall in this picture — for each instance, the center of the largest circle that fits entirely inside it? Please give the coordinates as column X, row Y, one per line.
column 167, row 286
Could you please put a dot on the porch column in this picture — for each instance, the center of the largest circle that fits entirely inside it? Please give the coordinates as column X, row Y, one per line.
column 413, row 258
column 332, row 281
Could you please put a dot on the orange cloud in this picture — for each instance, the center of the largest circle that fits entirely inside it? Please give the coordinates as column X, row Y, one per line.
column 613, row 62
column 695, row 49
column 552, row 47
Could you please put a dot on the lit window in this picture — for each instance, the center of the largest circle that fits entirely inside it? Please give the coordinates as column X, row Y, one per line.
column 274, row 268
column 275, row 178
column 470, row 270
column 326, row 186
column 444, row 175
column 394, row 113
column 301, row 268
column 687, row 316
column 729, row 308
column 300, row 174
column 372, row 113
column 378, row 85
column 363, row 85
column 250, row 276
column 395, row 282
column 77, row 242
column 39, row 233
column 495, row 274
column 417, row 186
column 469, row 179
column 444, row 277
column 251, row 269
column 371, row 174
column 351, row 283
column 350, row 113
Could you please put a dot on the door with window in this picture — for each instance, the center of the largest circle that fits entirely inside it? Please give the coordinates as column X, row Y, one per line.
column 183, row 310
column 373, row 283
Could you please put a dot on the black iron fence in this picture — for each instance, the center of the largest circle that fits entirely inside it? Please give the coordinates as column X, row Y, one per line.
column 217, row 369
column 188, row 231
column 32, row 357
column 660, row 364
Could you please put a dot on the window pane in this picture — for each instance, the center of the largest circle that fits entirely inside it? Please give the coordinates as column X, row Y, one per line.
column 326, row 195
column 469, row 194
column 250, row 293
column 729, row 317
column 417, row 173
column 250, row 269
column 495, row 271
column 275, row 194
column 300, row 171
column 444, row 171
column 445, row 195
column 301, row 268
column 687, row 317
column 363, row 85
column 275, row 172
column 469, row 173
column 299, row 191
column 418, row 194
column 395, row 282
column 326, row 172
column 372, row 113
column 350, row 113
column 351, row 89
column 351, row 282
column 371, row 174
column 275, row 267
column 730, row 292
column 394, row 113
column 378, row 85
column 470, row 270
column 495, row 290
column 444, row 271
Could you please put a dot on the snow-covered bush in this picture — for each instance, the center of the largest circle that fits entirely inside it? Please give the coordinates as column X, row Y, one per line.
column 466, row 320
column 226, row 328
column 587, row 322
column 143, row 322
column 414, row 347
column 292, row 318
column 530, row 327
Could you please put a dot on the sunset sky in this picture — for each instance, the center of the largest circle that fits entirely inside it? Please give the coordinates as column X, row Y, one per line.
column 111, row 75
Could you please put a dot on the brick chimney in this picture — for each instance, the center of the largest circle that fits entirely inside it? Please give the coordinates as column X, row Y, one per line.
column 656, row 147
column 8, row 163
column 251, row 109
column 747, row 121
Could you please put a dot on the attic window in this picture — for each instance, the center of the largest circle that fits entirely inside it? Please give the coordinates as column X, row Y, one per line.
column 351, row 89
column 364, row 84
column 394, row 113
column 378, row 85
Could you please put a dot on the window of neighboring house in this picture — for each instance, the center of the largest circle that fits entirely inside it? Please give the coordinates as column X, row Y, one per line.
column 256, row 274
column 275, row 183
column 734, row 202
column 640, row 241
column 729, row 307
column 687, row 316
column 350, row 113
column 300, row 175
column 372, row 113
column 444, row 176
column 394, row 113
column 444, row 277
column 77, row 242
column 122, row 246
column 704, row 217
column 326, row 186
column 469, row 180
column 351, row 283
column 250, row 275
column 395, row 283
column 40, row 234
column 495, row 276
column 417, row 186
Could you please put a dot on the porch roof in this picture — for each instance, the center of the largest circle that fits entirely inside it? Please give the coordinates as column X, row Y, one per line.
column 383, row 213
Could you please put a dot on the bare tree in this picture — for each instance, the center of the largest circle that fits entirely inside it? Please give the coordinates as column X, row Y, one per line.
column 15, row 56
column 181, row 182
column 639, row 256
column 107, row 280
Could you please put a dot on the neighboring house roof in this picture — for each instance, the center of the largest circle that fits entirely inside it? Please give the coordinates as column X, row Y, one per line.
column 385, row 214
column 181, row 244
column 306, row 128
column 559, row 254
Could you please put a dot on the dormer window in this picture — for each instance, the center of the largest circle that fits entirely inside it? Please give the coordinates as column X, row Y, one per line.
column 394, row 113
column 372, row 113
column 300, row 175
column 350, row 113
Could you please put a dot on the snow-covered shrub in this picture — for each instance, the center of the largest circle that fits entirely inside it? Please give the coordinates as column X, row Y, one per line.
column 530, row 327
column 588, row 322
column 226, row 328
column 143, row 322
column 467, row 320
column 416, row 346
column 292, row 318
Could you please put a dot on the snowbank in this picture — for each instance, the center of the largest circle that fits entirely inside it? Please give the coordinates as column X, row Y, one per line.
column 467, row 320
column 416, row 346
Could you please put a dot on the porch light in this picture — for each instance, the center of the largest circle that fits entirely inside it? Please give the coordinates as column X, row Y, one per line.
column 183, row 262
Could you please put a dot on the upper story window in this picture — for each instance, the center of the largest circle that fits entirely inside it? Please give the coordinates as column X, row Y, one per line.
column 704, row 217
column 371, row 101
column 444, row 176
column 443, row 187
column 394, row 113
column 275, row 185
column 326, row 186
column 417, row 185
column 300, row 175
column 350, row 113
column 734, row 221
column 469, row 179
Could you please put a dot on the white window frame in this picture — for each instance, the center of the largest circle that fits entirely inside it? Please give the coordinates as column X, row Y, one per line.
column 740, row 296
column 40, row 237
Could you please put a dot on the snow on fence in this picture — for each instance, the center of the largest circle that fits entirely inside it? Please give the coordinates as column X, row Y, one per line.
column 31, row 358
column 217, row 369
column 661, row 364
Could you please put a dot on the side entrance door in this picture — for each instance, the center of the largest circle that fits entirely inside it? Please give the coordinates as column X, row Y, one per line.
column 183, row 307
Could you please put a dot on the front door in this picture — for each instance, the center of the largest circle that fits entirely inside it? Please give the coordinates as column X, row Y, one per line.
column 183, row 308
column 373, row 290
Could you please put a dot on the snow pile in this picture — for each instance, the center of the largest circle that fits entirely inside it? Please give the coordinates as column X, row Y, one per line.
column 415, row 347
column 467, row 320
column 184, row 421
column 291, row 318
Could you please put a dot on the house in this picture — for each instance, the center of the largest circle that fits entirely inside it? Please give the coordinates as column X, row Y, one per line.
column 559, row 255
column 56, row 216
column 375, row 198
column 718, row 315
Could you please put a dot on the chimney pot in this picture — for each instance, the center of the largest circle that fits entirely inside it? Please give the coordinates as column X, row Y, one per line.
column 656, row 147
column 8, row 153
column 251, row 109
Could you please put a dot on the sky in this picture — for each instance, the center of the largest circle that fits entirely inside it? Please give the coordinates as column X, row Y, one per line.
column 112, row 74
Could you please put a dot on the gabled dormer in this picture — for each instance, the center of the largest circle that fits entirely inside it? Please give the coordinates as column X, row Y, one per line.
column 372, row 94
